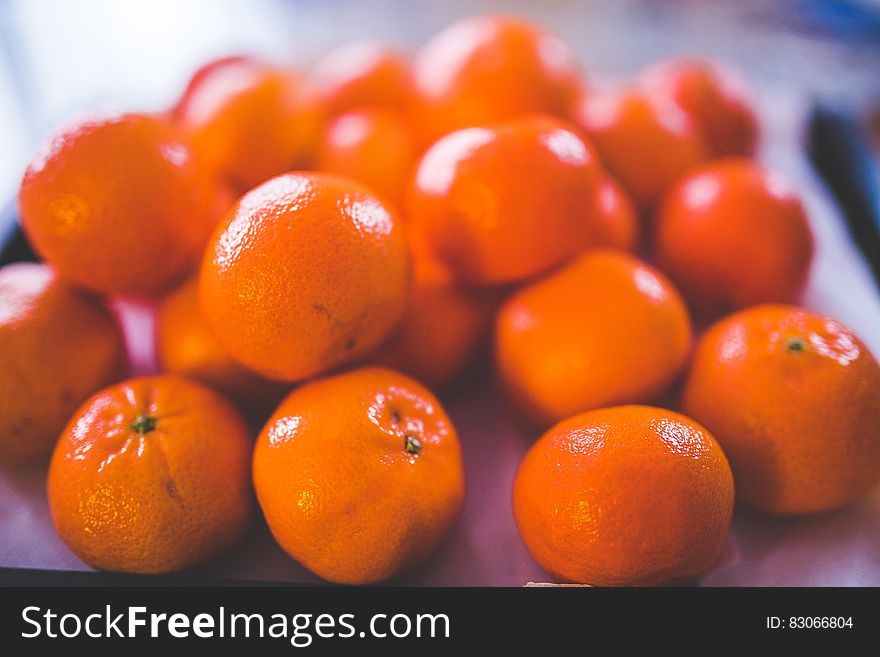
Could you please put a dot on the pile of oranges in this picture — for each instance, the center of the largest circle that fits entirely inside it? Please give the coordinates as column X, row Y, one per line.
column 393, row 216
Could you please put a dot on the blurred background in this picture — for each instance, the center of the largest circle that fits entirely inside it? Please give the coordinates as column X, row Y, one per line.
column 63, row 57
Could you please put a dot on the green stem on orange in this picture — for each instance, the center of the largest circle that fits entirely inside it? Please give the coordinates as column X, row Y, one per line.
column 412, row 444
column 143, row 424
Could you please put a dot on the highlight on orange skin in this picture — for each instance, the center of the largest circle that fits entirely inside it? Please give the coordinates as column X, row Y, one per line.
column 376, row 147
column 716, row 95
column 603, row 330
column 644, row 139
column 485, row 69
column 186, row 345
column 734, row 234
column 244, row 118
column 359, row 75
column 504, row 203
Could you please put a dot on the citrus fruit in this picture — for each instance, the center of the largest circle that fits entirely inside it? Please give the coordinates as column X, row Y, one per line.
column 716, row 95
column 442, row 326
column 624, row 496
column 58, row 347
column 308, row 271
column 359, row 475
column 733, row 234
column 375, row 147
column 187, row 346
column 119, row 205
column 604, row 330
column 244, row 119
column 360, row 75
column 486, row 69
column 794, row 399
column 150, row 476
column 644, row 139
column 615, row 221
column 504, row 203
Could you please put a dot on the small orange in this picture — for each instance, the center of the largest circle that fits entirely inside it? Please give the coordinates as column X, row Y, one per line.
column 504, row 203
column 244, row 119
column 185, row 345
column 119, row 205
column 486, row 69
column 625, row 496
column 151, row 476
column 57, row 347
column 360, row 75
column 733, row 234
column 794, row 399
column 441, row 328
column 359, row 475
column 376, row 147
column 644, row 139
column 716, row 95
column 308, row 271
column 606, row 329
column 615, row 222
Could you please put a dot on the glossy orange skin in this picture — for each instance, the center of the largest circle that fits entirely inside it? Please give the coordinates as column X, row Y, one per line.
column 645, row 140
column 604, row 330
column 186, row 345
column 360, row 75
column 57, row 347
column 615, row 222
column 716, row 95
column 307, row 272
column 442, row 326
column 502, row 204
column 89, row 175
column 734, row 234
column 376, row 147
column 624, row 496
column 486, row 69
column 339, row 490
column 155, row 501
column 794, row 399
column 245, row 120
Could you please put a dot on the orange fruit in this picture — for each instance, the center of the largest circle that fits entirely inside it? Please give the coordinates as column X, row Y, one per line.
column 360, row 75
column 625, row 496
column 733, row 234
column 794, row 399
column 442, row 326
column 359, row 475
column 308, row 271
column 186, row 345
column 646, row 141
column 504, row 203
column 244, row 119
column 58, row 347
column 376, row 147
column 615, row 221
column 605, row 329
column 118, row 205
column 486, row 69
column 151, row 476
column 716, row 95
